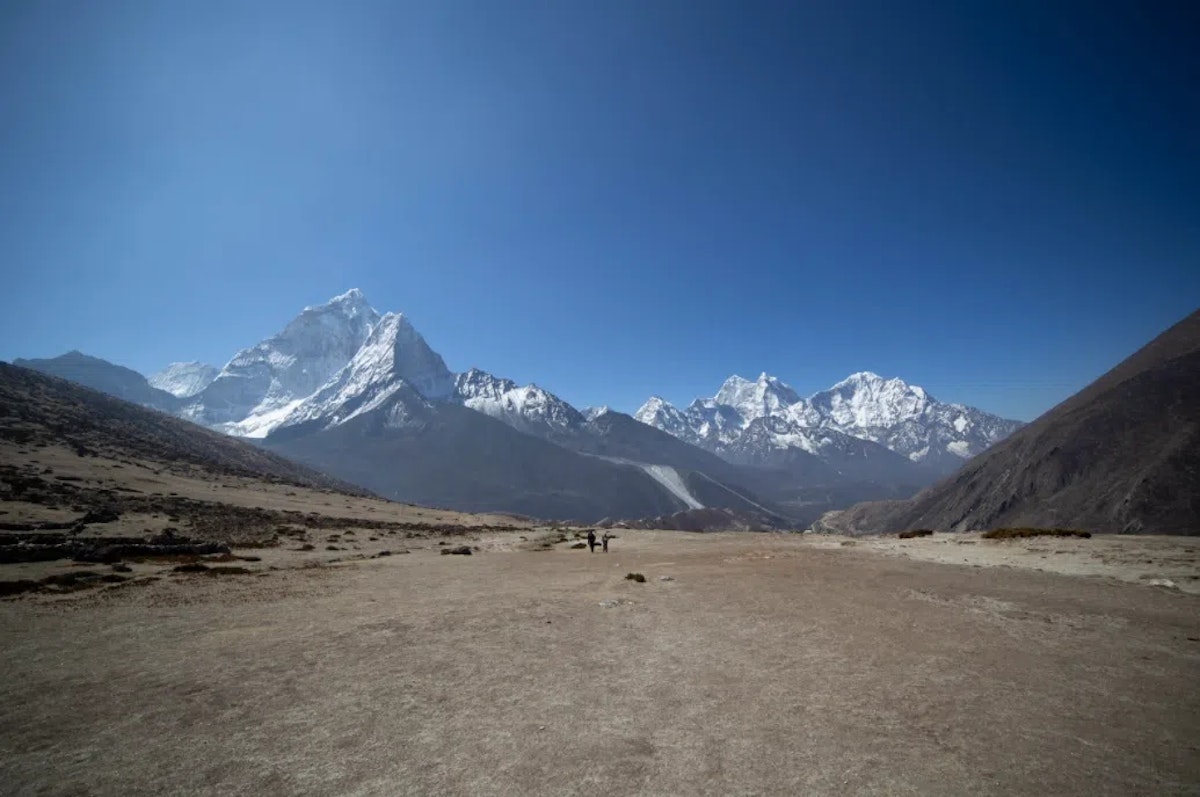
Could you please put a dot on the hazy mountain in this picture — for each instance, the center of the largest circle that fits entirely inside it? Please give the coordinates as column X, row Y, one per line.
column 184, row 380
column 115, row 380
column 1122, row 455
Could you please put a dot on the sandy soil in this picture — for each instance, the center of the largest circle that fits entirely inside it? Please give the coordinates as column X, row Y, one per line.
column 765, row 664
column 1171, row 562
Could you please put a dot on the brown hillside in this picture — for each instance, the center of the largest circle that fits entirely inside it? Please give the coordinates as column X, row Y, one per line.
column 38, row 409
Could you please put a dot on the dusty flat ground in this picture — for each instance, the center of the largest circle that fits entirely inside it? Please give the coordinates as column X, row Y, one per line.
column 767, row 664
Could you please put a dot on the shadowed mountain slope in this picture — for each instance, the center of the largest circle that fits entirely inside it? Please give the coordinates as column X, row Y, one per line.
column 439, row 454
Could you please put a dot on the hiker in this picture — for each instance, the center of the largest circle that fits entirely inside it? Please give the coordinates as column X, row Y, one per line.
column 604, row 541
column 591, row 540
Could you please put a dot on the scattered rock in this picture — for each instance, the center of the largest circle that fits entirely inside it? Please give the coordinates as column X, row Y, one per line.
column 666, row 578
column 576, row 545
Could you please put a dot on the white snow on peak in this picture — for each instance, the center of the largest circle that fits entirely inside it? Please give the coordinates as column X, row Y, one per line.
column 529, row 408
column 394, row 356
column 592, row 413
column 261, row 381
column 184, row 379
column 865, row 405
column 764, row 396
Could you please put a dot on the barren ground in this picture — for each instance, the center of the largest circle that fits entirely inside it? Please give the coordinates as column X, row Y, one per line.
column 767, row 664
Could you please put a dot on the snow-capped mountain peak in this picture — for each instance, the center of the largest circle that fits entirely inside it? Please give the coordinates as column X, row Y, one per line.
column 592, row 413
column 394, row 357
column 764, row 396
column 662, row 414
column 184, row 379
column 529, row 408
column 866, row 400
column 395, row 350
column 258, row 387
column 865, row 405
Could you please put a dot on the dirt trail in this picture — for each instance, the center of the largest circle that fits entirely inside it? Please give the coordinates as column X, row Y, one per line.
column 767, row 664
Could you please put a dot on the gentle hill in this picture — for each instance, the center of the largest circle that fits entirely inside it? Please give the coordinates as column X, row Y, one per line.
column 1121, row 456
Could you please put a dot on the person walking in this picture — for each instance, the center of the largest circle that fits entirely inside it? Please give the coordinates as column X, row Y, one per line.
column 604, row 541
column 591, row 538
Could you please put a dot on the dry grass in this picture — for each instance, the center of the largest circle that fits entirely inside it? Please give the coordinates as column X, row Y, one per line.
column 767, row 665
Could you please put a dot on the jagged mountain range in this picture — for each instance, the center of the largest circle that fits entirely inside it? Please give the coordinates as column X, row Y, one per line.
column 363, row 397
column 762, row 419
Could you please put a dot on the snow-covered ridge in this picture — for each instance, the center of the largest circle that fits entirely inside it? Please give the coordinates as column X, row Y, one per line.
column 866, row 406
column 529, row 408
column 184, row 380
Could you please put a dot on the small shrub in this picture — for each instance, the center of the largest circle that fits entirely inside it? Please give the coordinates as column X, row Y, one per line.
column 908, row 535
column 1022, row 533
column 17, row 587
column 227, row 570
column 194, row 567
column 461, row 550
column 638, row 577
column 308, row 546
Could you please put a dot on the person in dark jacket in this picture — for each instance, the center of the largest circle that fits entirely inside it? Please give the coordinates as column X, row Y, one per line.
column 591, row 538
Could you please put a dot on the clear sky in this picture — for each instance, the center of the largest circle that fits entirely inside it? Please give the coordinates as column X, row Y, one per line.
column 995, row 200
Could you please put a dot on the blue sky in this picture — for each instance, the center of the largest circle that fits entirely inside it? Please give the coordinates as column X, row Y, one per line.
column 995, row 200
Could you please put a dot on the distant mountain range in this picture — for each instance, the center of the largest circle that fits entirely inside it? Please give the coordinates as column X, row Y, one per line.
column 363, row 397
column 861, row 417
column 1120, row 456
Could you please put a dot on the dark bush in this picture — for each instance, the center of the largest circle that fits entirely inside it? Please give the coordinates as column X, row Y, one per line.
column 1021, row 533
column 638, row 577
column 193, row 567
column 908, row 535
